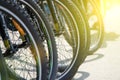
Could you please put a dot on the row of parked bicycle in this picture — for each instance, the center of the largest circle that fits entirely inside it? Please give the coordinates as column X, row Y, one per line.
column 47, row 39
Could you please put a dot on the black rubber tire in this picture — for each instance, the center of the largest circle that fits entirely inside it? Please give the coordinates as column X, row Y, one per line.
column 82, row 41
column 100, row 37
column 70, row 40
column 100, row 25
column 48, row 34
column 87, row 36
column 12, row 9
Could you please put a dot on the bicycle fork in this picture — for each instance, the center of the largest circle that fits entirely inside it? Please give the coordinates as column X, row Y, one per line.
column 4, row 33
column 10, row 47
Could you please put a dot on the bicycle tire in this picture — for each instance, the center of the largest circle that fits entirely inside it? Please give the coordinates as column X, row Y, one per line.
column 63, row 42
column 96, row 40
column 101, row 28
column 70, row 34
column 94, row 46
column 82, row 41
column 12, row 9
column 81, row 9
column 48, row 34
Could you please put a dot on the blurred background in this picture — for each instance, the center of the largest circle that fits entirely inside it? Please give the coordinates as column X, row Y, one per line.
column 105, row 63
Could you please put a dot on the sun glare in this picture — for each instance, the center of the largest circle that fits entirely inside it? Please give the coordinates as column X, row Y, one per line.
column 112, row 18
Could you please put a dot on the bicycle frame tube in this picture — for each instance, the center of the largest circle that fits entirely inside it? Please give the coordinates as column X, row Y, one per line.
column 53, row 12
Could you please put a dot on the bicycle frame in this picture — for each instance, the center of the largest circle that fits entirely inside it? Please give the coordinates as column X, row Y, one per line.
column 53, row 13
column 4, row 25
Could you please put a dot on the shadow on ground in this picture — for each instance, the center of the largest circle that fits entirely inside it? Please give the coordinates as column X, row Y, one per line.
column 81, row 75
column 94, row 57
column 110, row 36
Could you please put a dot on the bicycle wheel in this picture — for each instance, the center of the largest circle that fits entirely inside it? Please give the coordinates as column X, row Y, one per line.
column 46, row 34
column 95, row 22
column 23, row 50
column 96, row 26
column 72, row 50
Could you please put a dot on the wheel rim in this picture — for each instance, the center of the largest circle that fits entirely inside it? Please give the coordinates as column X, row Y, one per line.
column 38, row 67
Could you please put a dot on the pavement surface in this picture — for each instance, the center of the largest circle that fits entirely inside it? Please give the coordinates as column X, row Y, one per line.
column 105, row 63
